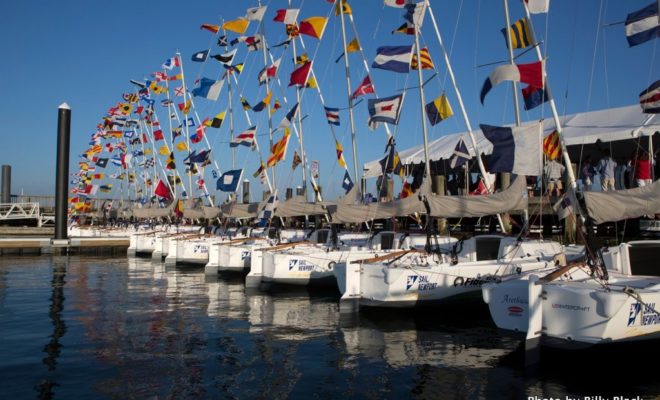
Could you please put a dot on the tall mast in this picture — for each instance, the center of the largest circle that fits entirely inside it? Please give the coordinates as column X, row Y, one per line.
column 508, row 41
column 348, row 91
column 300, row 129
column 270, row 117
column 185, row 121
column 482, row 168
column 427, row 166
column 553, row 107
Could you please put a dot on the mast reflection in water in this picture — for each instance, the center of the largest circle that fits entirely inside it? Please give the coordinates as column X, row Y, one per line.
column 134, row 329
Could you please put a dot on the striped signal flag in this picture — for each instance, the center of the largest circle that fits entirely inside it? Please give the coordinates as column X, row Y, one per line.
column 520, row 37
column 427, row 62
column 552, row 146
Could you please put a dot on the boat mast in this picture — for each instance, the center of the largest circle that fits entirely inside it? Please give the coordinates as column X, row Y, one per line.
column 300, row 129
column 270, row 116
column 555, row 115
column 422, row 102
column 514, row 84
column 185, row 120
column 482, row 168
column 348, row 91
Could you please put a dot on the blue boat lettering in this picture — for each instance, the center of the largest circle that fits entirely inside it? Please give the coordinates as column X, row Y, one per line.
column 300, row 265
column 245, row 254
column 200, row 248
column 648, row 315
column 411, row 281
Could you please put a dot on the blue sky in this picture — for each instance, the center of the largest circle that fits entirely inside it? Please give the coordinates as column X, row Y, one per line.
column 85, row 52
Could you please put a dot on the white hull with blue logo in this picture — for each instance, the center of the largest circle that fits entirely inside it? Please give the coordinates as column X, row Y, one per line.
column 576, row 309
column 312, row 265
column 419, row 278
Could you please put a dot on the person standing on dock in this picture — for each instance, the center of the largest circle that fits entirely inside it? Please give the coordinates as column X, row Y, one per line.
column 553, row 173
column 587, row 173
column 606, row 168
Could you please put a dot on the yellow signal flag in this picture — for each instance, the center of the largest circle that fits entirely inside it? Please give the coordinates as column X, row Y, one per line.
column 340, row 154
column 353, row 46
column 163, row 150
column 313, row 26
column 311, row 82
column 147, row 151
column 346, row 8
column 181, row 146
column 239, row 25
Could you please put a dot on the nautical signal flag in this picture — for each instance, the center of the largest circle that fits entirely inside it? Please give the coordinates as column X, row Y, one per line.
column 427, row 62
column 266, row 213
column 301, row 59
column 278, row 152
column 226, row 58
column 313, row 26
column 393, row 58
column 347, row 183
column 397, row 3
column 643, row 25
column 263, row 103
column 439, row 110
column 287, row 16
column 520, row 36
column 386, row 109
column 345, row 8
column 198, row 135
column 162, row 190
column 171, row 63
column 256, row 13
column 391, row 163
column 208, row 88
column 181, row 146
column 515, row 150
column 300, row 74
column 534, row 96
column 332, row 114
column 228, row 182
column 537, row 6
column 269, row 72
column 276, row 106
column 364, row 88
column 158, row 135
column 351, row 47
column 406, row 28
column 296, row 161
column 244, row 139
column 261, row 168
column 531, row 74
column 195, row 157
column 216, row 122
column 169, row 162
column 552, row 146
column 239, row 25
column 415, row 13
column 245, row 104
column 288, row 119
column 340, row 154
column 649, row 99
column 406, row 190
column 460, row 155
column 210, row 27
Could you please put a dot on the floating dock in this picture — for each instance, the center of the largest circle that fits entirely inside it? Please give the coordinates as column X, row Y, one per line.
column 75, row 245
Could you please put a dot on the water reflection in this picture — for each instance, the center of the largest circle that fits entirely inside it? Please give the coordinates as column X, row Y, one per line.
column 53, row 348
column 133, row 329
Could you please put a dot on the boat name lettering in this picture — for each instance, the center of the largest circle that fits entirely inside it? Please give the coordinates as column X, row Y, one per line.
column 648, row 315
column 300, row 265
column 514, row 300
column 200, row 248
column 461, row 281
column 245, row 254
column 571, row 307
column 422, row 281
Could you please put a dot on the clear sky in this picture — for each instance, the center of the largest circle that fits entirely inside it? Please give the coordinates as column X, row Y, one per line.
column 85, row 52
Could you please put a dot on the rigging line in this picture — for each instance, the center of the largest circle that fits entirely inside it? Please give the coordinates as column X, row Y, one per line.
column 515, row 57
column 607, row 84
column 417, row 87
column 593, row 59
column 453, row 40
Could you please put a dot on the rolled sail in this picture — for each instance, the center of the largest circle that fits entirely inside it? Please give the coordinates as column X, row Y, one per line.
column 623, row 204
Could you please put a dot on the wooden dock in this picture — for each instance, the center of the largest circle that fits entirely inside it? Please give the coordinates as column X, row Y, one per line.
column 74, row 245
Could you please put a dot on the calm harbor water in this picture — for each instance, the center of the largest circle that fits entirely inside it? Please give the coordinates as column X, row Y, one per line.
column 90, row 327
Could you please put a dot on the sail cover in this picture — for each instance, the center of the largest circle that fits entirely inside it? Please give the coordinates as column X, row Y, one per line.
column 298, row 206
column 623, row 204
column 512, row 198
column 237, row 210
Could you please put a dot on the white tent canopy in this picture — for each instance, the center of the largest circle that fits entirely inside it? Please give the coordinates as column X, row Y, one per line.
column 582, row 128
